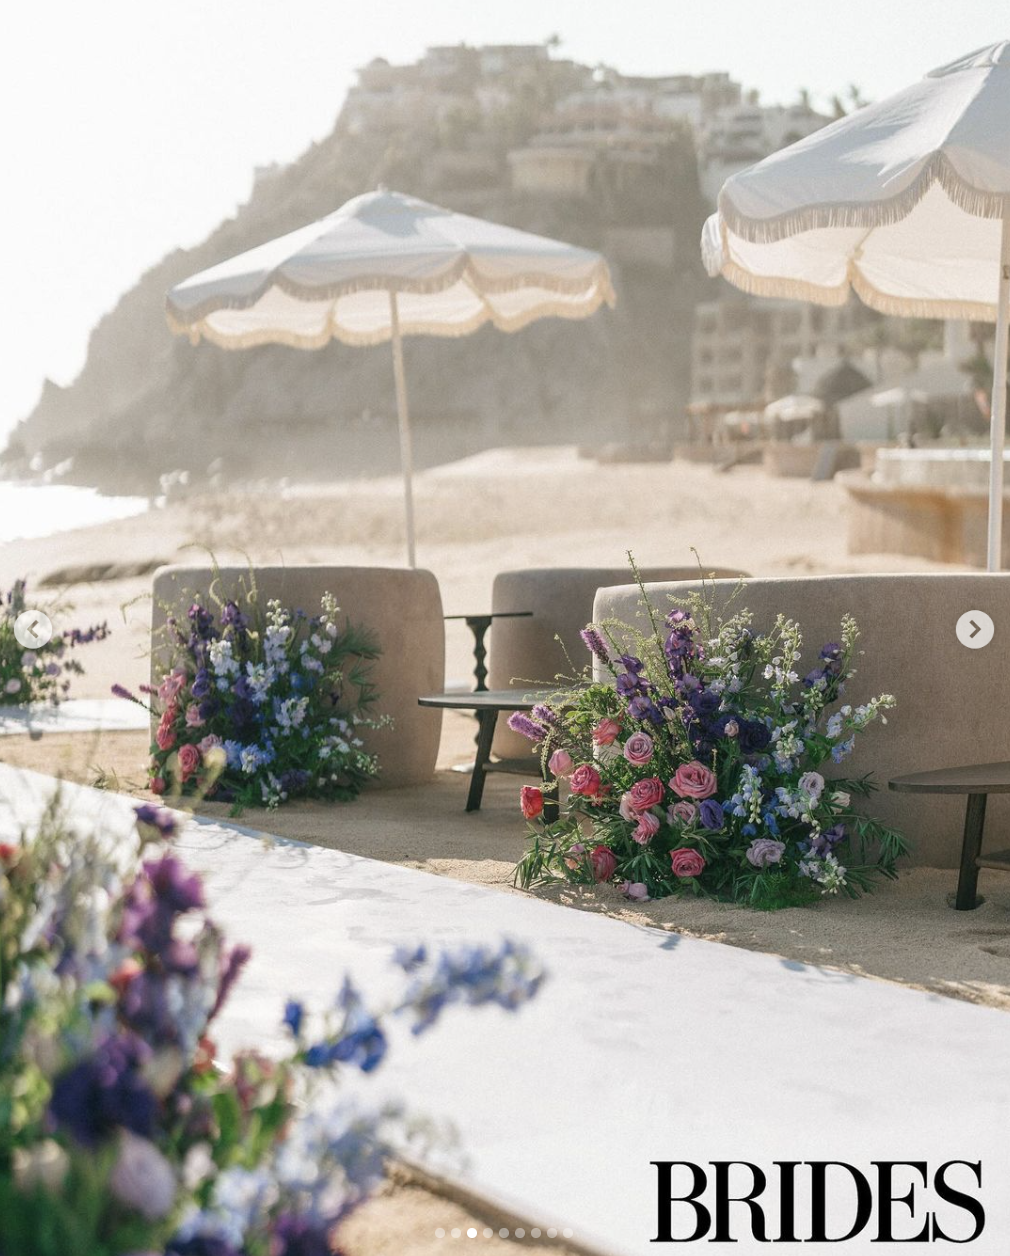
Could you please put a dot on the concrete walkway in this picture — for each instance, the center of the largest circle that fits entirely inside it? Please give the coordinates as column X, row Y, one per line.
column 76, row 715
column 642, row 1046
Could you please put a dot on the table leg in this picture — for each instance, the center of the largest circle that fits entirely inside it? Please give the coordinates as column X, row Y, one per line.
column 971, row 848
column 551, row 795
column 478, row 625
column 486, row 721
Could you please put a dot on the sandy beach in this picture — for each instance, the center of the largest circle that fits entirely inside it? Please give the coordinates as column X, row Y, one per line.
column 538, row 507
column 501, row 510
column 527, row 508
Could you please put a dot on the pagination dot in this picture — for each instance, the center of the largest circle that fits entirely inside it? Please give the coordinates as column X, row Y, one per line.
column 440, row 1233
column 503, row 1233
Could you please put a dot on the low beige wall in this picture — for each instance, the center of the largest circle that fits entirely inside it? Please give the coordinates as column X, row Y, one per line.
column 561, row 599
column 946, row 524
column 952, row 701
column 402, row 608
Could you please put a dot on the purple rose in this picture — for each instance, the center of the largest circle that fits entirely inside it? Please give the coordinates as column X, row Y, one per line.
column 764, row 851
column 710, row 814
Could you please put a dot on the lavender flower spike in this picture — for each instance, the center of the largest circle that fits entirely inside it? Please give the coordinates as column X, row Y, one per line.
column 519, row 722
column 544, row 715
column 121, row 691
column 595, row 643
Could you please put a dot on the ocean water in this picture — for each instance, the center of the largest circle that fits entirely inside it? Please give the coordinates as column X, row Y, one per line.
column 33, row 510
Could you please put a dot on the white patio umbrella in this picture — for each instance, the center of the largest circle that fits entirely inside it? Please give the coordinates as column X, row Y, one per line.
column 381, row 267
column 906, row 201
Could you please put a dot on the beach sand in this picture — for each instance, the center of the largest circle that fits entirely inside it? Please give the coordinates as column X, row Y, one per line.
column 494, row 512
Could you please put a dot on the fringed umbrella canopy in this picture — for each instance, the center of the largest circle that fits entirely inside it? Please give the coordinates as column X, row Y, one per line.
column 332, row 280
column 381, row 267
column 906, row 202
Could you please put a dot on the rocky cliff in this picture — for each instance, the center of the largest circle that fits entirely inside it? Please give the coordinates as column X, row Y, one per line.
column 147, row 403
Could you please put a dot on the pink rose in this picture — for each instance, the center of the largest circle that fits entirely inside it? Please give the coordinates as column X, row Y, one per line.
column 627, row 809
column 189, row 760
column 606, row 731
column 604, row 862
column 158, row 785
column 193, row 717
column 637, row 891
column 171, row 686
column 648, row 827
column 210, row 742
column 682, row 812
column 638, row 749
column 585, row 780
column 560, row 763
column 531, row 800
column 647, row 793
column 694, row 780
column 686, row 863
column 165, row 735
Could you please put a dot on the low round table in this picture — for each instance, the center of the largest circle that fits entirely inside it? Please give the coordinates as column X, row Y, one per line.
column 488, row 705
column 978, row 781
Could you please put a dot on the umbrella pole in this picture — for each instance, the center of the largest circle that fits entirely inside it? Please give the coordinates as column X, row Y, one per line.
column 998, row 408
column 403, row 417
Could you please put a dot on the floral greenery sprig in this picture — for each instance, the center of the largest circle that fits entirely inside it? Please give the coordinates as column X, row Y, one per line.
column 696, row 770
column 42, row 674
column 119, row 1133
column 256, row 707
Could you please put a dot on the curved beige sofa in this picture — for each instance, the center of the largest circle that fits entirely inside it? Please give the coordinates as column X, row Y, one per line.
column 953, row 703
column 404, row 610
column 561, row 599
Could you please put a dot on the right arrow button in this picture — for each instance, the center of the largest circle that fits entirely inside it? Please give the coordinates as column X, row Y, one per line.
column 975, row 629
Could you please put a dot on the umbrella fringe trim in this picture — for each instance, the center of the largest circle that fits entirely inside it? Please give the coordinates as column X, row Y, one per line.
column 884, row 213
column 598, row 279
column 253, row 339
column 882, row 302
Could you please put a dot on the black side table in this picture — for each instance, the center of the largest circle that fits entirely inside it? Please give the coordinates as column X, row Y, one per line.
column 978, row 781
column 488, row 705
column 478, row 625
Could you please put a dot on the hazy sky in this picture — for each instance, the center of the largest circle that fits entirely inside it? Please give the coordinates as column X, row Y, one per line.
column 129, row 127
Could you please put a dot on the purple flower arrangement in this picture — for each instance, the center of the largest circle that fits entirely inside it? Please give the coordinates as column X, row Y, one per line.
column 256, row 708
column 42, row 674
column 695, row 768
column 120, row 1131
